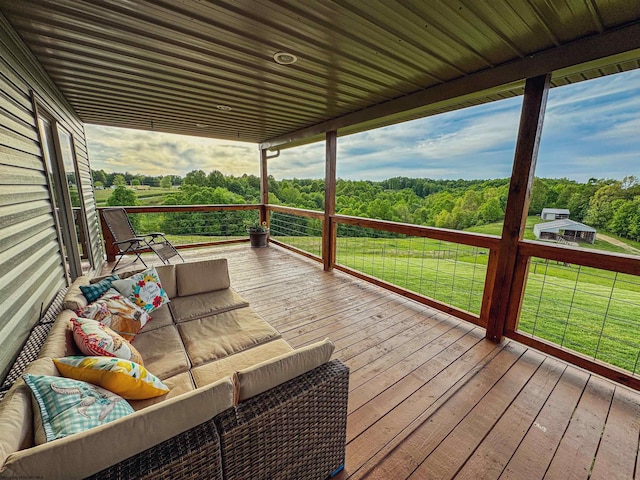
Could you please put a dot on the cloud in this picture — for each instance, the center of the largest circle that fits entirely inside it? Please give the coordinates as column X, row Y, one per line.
column 153, row 153
column 590, row 130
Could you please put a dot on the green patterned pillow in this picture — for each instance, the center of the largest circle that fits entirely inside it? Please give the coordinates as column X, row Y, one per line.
column 63, row 406
column 95, row 290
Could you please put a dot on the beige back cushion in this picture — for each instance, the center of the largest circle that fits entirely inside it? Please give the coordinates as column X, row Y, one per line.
column 59, row 342
column 200, row 277
column 259, row 378
column 16, row 413
column 74, row 299
column 167, row 275
column 64, row 459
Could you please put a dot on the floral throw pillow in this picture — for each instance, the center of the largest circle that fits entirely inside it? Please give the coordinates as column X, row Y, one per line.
column 144, row 289
column 124, row 377
column 63, row 406
column 93, row 338
column 117, row 312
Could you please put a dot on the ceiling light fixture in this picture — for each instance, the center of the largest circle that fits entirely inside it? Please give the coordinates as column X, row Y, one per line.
column 224, row 108
column 285, row 58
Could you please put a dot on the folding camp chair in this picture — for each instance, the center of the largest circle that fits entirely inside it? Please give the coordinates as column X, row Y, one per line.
column 127, row 241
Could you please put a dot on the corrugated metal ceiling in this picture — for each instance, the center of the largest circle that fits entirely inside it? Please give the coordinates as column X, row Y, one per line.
column 166, row 65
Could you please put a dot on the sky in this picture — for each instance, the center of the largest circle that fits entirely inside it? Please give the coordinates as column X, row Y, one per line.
column 591, row 129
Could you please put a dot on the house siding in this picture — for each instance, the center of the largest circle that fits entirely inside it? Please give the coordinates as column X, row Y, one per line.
column 31, row 269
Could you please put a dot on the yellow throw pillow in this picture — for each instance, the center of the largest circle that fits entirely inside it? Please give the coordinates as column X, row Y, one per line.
column 123, row 377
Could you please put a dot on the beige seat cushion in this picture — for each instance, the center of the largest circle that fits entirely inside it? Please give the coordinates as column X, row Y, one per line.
column 86, row 453
column 200, row 277
column 214, row 371
column 160, row 317
column 162, row 352
column 263, row 376
column 16, row 413
column 74, row 299
column 205, row 304
column 178, row 384
column 218, row 336
column 59, row 342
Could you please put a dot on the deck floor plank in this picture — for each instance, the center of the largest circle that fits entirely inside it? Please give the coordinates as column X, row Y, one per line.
column 534, row 454
column 429, row 396
column 575, row 454
column 620, row 437
column 494, row 452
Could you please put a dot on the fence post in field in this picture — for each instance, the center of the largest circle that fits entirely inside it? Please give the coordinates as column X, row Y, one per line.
column 509, row 274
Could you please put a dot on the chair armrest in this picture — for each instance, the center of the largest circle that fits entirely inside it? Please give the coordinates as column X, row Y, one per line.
column 155, row 234
column 130, row 240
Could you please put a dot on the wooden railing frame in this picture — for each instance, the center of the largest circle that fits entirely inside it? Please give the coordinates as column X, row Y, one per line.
column 112, row 251
column 490, row 242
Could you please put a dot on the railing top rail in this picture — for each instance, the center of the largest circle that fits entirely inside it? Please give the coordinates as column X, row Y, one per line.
column 454, row 236
column 296, row 211
column 187, row 208
column 617, row 262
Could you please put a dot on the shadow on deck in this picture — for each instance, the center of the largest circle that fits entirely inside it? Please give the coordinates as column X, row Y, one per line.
column 429, row 396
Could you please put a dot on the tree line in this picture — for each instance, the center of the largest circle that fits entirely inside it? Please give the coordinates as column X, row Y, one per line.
column 606, row 204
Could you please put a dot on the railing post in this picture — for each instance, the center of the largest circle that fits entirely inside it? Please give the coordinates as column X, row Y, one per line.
column 109, row 248
column 502, row 286
column 329, row 228
column 264, row 187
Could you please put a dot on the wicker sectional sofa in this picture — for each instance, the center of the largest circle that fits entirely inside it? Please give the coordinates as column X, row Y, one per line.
column 243, row 403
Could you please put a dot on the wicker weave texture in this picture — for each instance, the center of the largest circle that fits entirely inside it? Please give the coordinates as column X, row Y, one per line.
column 294, row 431
column 32, row 346
column 192, row 455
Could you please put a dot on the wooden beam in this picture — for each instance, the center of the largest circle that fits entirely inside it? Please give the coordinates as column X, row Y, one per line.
column 188, row 208
column 589, row 49
column 524, row 165
column 455, row 236
column 264, row 187
column 301, row 212
column 329, row 229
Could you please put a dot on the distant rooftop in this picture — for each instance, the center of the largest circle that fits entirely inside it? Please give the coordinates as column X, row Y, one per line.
column 562, row 224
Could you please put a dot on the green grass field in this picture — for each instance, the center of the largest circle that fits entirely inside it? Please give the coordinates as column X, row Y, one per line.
column 153, row 196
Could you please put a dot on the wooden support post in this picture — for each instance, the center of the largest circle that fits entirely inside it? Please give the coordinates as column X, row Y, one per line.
column 329, row 228
column 524, row 164
column 110, row 249
column 264, row 187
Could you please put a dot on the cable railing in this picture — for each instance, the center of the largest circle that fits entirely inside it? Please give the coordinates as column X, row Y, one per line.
column 591, row 311
column 580, row 304
column 190, row 226
column 442, row 268
column 297, row 229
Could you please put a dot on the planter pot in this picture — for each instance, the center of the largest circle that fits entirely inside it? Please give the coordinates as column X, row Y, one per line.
column 258, row 239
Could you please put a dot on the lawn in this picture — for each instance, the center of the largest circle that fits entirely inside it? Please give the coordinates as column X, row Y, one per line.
column 152, row 196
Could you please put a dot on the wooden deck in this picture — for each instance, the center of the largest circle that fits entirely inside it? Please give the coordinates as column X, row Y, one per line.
column 429, row 396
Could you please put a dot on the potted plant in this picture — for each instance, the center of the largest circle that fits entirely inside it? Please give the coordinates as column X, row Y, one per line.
column 258, row 233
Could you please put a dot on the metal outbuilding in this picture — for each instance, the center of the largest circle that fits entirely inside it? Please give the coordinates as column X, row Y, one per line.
column 554, row 213
column 569, row 230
